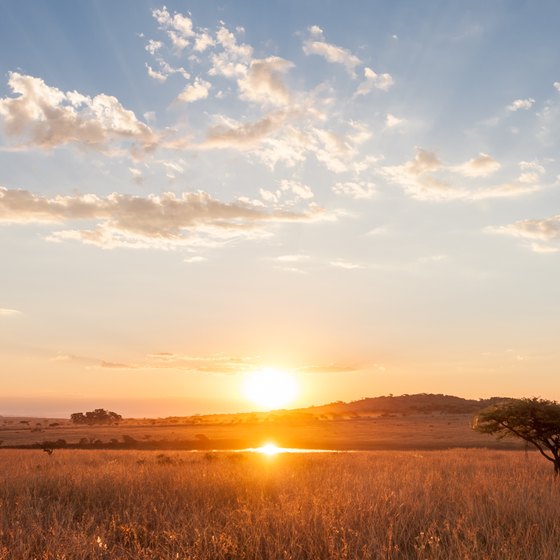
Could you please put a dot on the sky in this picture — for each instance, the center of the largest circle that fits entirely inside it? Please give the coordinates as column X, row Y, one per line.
column 364, row 195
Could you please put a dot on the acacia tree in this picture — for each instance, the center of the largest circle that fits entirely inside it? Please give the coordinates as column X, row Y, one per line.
column 537, row 421
column 97, row 416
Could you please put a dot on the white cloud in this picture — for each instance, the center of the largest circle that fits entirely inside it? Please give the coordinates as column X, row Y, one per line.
column 418, row 178
column 392, row 121
column 269, row 196
column 374, row 81
column 203, row 41
column 534, row 166
column 544, row 230
column 195, row 259
column 154, row 74
column 345, row 265
column 157, row 221
column 331, row 53
column 242, row 135
column 556, row 85
column 298, row 189
column 178, row 26
column 4, row 312
column 521, row 104
column 153, row 46
column 480, row 166
column 45, row 117
column 358, row 190
column 195, row 91
column 263, row 82
column 234, row 60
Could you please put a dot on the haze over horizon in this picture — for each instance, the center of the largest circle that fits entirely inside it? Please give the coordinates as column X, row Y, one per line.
column 349, row 200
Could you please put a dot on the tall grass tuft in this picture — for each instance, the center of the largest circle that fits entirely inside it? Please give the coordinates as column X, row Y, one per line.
column 461, row 504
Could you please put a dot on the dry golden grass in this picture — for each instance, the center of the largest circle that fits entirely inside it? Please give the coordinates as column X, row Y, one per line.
column 460, row 504
column 420, row 431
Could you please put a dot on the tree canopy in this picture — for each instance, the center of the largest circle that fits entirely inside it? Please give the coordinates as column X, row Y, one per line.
column 97, row 416
column 537, row 421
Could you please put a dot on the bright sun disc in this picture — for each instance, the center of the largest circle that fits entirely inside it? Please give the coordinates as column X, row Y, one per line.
column 270, row 388
column 269, row 449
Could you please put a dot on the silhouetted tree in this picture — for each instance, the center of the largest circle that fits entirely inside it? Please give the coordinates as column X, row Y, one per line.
column 97, row 416
column 537, row 421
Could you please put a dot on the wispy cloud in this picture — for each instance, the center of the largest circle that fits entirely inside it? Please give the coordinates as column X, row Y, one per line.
column 374, row 81
column 362, row 190
column 5, row 312
column 346, row 265
column 544, row 233
column 425, row 177
column 317, row 45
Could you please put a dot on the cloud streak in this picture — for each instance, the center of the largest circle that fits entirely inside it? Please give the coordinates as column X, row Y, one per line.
column 545, row 230
column 425, row 177
column 317, row 45
column 155, row 221
column 4, row 312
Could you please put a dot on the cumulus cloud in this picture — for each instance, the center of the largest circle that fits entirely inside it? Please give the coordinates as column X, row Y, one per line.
column 194, row 92
column 263, row 81
column 556, row 86
column 521, row 104
column 234, row 59
column 480, row 166
column 374, row 81
column 163, row 221
column 179, row 27
column 153, row 46
column 332, row 53
column 45, row 117
column 358, row 190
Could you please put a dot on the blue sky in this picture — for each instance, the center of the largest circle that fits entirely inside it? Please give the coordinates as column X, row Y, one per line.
column 363, row 194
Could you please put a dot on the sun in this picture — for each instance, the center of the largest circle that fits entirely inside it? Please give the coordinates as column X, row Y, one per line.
column 270, row 388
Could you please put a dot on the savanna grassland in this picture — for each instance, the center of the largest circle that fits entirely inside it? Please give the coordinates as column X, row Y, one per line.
column 455, row 504
column 376, row 432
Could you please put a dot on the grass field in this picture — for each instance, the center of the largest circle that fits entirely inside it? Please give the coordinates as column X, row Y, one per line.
column 395, row 432
column 456, row 504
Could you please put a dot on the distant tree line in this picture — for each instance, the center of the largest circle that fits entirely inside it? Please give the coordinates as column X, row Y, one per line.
column 97, row 416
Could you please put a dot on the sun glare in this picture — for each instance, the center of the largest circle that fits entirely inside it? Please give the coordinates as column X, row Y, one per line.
column 268, row 449
column 270, row 388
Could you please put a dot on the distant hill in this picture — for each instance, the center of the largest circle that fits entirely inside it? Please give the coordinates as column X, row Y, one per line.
column 422, row 403
column 405, row 405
